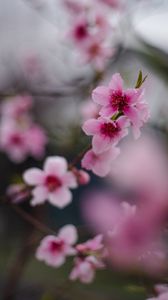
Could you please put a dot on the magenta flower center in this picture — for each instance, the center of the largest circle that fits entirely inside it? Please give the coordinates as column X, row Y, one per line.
column 119, row 101
column 56, row 246
column 81, row 32
column 16, row 139
column 52, row 182
column 110, row 129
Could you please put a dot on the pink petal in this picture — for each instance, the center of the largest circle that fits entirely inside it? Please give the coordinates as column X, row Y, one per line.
column 40, row 195
column 100, row 95
column 60, row 198
column 123, row 122
column 69, row 234
column 91, row 127
column 108, row 111
column 132, row 114
column 55, row 261
column 133, row 95
column 69, row 180
column 100, row 143
column 34, row 176
column 55, row 165
column 116, row 82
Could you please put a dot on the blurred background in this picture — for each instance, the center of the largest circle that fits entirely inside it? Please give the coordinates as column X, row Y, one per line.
column 39, row 58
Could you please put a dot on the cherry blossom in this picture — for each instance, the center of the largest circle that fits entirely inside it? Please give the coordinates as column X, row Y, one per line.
column 85, row 268
column 114, row 99
column 52, row 183
column 88, row 260
column 100, row 164
column 54, row 249
column 106, row 133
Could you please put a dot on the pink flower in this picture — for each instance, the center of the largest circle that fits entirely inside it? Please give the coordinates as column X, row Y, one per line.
column 52, row 183
column 100, row 164
column 17, row 193
column 106, row 133
column 89, row 258
column 132, row 236
column 16, row 107
column 130, row 102
column 85, row 268
column 80, row 32
column 54, row 249
column 96, row 52
column 13, row 142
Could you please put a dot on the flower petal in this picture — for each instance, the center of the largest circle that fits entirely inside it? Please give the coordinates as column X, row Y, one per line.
column 100, row 143
column 55, row 165
column 91, row 126
column 116, row 82
column 100, row 95
column 40, row 195
column 34, row 176
column 69, row 180
column 60, row 198
column 69, row 234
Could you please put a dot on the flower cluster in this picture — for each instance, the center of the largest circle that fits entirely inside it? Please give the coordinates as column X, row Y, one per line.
column 91, row 33
column 18, row 131
column 119, row 109
column 53, row 250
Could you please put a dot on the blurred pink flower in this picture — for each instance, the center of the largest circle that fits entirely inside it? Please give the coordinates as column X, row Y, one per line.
column 106, row 133
column 54, row 249
column 85, row 268
column 16, row 107
column 100, row 164
column 52, row 183
column 97, row 52
column 17, row 193
column 130, row 102
column 80, row 32
column 13, row 142
column 89, row 258
column 133, row 235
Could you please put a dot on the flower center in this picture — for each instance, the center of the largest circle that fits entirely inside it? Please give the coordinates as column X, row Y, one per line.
column 81, row 32
column 52, row 182
column 110, row 129
column 16, row 139
column 56, row 246
column 118, row 100
column 94, row 50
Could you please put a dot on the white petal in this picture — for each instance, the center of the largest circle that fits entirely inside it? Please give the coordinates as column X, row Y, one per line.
column 33, row 176
column 55, row 165
column 69, row 234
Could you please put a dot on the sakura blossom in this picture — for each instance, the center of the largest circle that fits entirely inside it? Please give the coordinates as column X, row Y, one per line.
column 100, row 164
column 133, row 236
column 53, row 250
column 88, row 260
column 85, row 268
column 114, row 99
column 18, row 130
column 106, row 133
column 52, row 183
